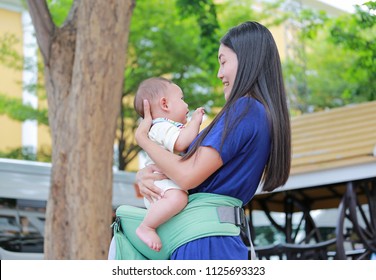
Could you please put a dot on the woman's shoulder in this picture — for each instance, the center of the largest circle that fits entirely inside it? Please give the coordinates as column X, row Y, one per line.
column 252, row 105
column 248, row 100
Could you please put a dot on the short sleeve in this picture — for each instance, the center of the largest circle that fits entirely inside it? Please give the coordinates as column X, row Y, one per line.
column 165, row 134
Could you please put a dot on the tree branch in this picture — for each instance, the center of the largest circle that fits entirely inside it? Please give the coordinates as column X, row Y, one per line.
column 43, row 25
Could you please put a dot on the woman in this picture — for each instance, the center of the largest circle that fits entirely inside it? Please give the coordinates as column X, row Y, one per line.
column 247, row 142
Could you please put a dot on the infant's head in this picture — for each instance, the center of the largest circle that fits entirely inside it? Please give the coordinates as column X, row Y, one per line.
column 165, row 98
column 151, row 89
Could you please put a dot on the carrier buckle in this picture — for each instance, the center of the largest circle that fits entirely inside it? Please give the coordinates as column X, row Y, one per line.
column 116, row 225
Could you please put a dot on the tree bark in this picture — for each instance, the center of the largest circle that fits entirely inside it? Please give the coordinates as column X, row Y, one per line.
column 84, row 66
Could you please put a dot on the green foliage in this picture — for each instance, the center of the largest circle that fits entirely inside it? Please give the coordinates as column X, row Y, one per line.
column 9, row 57
column 161, row 43
column 59, row 10
column 12, row 59
column 14, row 107
column 312, row 22
column 357, row 33
column 27, row 153
column 16, row 110
column 335, row 81
column 231, row 13
column 205, row 13
column 334, row 60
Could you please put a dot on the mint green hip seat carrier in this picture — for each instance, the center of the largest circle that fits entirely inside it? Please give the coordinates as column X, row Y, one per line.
column 198, row 219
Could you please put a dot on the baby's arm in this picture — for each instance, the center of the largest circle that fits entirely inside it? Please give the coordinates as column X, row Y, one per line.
column 189, row 133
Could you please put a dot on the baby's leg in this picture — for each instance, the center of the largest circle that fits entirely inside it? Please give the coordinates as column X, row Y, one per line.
column 160, row 211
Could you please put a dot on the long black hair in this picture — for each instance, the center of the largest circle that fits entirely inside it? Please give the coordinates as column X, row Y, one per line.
column 259, row 75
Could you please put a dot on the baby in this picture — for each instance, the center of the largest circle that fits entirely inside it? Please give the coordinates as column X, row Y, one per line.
column 169, row 113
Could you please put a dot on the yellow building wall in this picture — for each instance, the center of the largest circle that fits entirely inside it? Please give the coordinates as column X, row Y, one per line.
column 280, row 39
column 44, row 135
column 10, row 80
column 11, row 85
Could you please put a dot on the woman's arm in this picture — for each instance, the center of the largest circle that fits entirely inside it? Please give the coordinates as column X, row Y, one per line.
column 188, row 173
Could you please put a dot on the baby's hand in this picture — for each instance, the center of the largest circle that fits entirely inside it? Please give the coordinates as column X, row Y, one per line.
column 198, row 114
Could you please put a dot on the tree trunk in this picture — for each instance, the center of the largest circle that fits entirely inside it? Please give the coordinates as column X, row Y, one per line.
column 84, row 66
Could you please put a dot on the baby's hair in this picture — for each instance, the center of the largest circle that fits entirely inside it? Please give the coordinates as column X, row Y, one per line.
column 149, row 89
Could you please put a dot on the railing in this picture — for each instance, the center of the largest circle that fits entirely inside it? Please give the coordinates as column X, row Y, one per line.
column 316, row 251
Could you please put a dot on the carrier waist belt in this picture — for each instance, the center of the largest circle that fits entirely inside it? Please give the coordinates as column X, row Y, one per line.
column 205, row 215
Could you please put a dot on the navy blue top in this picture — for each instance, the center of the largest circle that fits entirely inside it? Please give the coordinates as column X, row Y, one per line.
column 244, row 154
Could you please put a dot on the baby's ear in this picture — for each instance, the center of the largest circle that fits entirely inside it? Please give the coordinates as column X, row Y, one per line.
column 163, row 103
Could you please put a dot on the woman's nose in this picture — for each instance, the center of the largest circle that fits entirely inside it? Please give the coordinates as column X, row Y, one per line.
column 219, row 74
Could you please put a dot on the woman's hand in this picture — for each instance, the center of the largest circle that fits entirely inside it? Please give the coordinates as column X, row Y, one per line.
column 142, row 131
column 145, row 180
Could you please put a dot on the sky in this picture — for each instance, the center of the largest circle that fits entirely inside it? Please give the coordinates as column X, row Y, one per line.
column 346, row 5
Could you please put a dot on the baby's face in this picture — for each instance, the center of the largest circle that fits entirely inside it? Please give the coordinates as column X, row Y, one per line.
column 177, row 108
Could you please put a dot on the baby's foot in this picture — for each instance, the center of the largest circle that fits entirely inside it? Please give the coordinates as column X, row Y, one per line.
column 150, row 237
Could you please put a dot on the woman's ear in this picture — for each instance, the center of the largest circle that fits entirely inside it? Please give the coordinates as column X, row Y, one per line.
column 163, row 103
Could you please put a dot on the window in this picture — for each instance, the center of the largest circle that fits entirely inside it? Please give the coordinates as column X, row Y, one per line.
column 22, row 225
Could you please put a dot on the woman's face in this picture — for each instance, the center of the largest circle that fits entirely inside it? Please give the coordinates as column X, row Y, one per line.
column 228, row 65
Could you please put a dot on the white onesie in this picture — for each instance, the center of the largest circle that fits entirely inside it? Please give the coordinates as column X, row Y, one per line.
column 164, row 132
